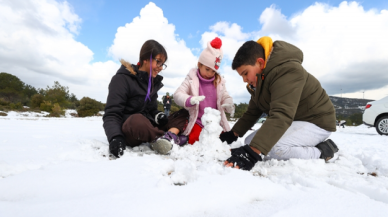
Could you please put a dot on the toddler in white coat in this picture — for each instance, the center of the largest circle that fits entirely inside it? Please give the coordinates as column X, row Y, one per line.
column 204, row 87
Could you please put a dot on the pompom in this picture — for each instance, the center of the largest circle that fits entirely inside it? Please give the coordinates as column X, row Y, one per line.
column 216, row 43
column 138, row 64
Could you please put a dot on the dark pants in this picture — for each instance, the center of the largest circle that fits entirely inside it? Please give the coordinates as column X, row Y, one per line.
column 138, row 129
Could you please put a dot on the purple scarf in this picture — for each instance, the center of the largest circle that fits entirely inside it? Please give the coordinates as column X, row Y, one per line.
column 149, row 82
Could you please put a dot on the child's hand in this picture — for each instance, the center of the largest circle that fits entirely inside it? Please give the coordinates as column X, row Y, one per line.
column 161, row 119
column 229, row 108
column 227, row 164
column 117, row 146
column 196, row 99
column 243, row 158
column 229, row 137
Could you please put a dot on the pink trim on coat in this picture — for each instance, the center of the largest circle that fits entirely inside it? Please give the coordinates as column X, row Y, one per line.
column 190, row 87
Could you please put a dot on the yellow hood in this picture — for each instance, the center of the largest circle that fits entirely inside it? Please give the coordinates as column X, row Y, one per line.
column 267, row 43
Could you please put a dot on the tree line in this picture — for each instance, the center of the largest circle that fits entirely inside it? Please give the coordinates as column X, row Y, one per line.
column 16, row 95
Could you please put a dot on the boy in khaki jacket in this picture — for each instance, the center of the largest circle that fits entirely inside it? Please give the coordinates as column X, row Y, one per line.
column 300, row 114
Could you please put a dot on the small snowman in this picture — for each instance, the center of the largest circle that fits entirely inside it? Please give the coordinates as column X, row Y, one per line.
column 209, row 139
column 211, row 126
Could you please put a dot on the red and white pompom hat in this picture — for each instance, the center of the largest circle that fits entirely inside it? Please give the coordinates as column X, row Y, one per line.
column 212, row 55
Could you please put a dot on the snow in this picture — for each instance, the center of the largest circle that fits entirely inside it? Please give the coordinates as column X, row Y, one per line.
column 61, row 167
column 13, row 114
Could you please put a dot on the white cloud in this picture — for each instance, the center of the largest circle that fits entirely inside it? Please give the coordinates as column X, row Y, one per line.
column 37, row 44
column 151, row 24
column 275, row 23
column 345, row 46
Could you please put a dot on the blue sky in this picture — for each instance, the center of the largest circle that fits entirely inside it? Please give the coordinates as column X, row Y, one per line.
column 100, row 19
column 79, row 43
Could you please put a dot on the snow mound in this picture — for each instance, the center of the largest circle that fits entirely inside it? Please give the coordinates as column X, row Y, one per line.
column 28, row 114
column 70, row 113
column 50, row 164
column 205, row 155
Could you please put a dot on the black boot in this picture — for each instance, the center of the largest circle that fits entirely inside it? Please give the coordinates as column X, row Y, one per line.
column 328, row 150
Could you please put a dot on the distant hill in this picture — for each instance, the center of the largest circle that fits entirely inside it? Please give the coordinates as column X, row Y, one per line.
column 348, row 106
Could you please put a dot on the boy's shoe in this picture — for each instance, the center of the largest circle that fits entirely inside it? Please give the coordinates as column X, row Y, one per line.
column 164, row 143
column 329, row 151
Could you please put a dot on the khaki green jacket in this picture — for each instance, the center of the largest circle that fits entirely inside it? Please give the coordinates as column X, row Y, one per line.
column 288, row 93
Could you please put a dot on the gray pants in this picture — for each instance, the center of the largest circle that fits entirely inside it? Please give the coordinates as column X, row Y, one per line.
column 298, row 141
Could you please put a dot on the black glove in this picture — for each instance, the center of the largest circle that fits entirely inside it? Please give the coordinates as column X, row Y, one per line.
column 229, row 137
column 244, row 157
column 117, row 146
column 161, row 119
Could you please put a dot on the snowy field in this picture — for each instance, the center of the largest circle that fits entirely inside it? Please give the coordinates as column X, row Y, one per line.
column 61, row 167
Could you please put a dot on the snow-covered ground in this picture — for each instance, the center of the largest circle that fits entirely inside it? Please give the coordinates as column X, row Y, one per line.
column 61, row 167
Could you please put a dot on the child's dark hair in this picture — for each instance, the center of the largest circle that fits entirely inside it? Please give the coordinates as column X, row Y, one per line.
column 151, row 47
column 247, row 54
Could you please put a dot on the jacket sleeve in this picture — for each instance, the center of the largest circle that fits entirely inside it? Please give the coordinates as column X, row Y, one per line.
column 182, row 93
column 115, row 105
column 286, row 90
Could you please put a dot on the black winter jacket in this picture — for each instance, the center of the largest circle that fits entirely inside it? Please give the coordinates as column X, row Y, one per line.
column 127, row 92
column 165, row 104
